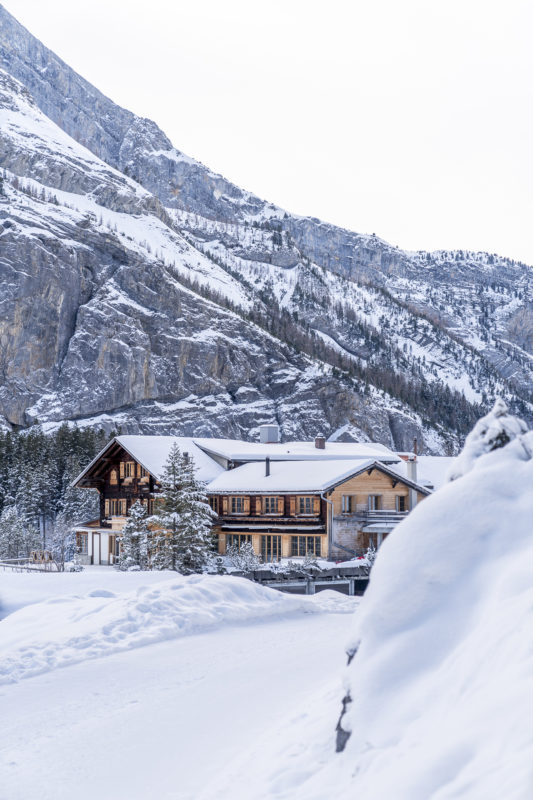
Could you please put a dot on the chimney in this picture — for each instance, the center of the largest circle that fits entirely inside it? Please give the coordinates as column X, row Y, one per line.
column 320, row 442
column 269, row 434
column 267, row 467
column 415, row 447
column 411, row 468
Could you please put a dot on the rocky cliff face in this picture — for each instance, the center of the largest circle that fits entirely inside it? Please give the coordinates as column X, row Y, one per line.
column 140, row 289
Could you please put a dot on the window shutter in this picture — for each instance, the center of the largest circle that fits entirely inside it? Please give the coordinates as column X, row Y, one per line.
column 121, row 469
column 106, row 508
column 138, row 470
column 292, row 506
column 123, row 507
column 224, row 505
column 316, row 505
column 246, row 505
column 280, row 505
column 258, row 505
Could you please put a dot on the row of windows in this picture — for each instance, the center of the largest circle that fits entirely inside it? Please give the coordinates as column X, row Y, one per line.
column 118, row 507
column 271, row 545
column 373, row 503
column 127, row 469
column 115, row 507
column 271, row 505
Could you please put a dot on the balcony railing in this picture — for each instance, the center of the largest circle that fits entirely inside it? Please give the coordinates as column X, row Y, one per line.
column 378, row 515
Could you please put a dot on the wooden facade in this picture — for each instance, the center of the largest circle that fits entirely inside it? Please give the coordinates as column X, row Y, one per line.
column 339, row 522
column 121, row 481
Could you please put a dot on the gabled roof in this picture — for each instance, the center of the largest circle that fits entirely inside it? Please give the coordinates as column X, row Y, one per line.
column 152, row 453
column 287, row 477
column 237, row 450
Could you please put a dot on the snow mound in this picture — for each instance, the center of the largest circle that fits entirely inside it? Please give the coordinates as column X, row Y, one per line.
column 441, row 680
column 67, row 630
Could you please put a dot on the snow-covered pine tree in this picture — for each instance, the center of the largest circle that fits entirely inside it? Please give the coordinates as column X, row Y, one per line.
column 195, row 539
column 182, row 536
column 77, row 505
column 243, row 558
column 135, row 539
column 62, row 541
column 17, row 540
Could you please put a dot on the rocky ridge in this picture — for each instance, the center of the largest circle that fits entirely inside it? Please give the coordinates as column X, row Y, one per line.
column 141, row 289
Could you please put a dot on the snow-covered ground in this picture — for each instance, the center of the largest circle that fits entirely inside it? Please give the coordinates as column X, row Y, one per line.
column 143, row 685
column 215, row 688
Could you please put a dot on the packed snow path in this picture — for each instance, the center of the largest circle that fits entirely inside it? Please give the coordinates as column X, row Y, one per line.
column 162, row 720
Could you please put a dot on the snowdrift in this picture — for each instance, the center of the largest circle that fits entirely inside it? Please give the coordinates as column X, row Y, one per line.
column 441, row 679
column 67, row 630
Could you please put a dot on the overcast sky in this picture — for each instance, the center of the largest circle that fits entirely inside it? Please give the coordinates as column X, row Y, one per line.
column 408, row 118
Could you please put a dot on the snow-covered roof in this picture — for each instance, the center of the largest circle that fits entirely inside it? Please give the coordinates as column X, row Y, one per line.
column 152, row 453
column 237, row 450
column 286, row 477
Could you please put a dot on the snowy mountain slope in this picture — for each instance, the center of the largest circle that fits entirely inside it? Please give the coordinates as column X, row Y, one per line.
column 482, row 299
column 105, row 321
column 400, row 344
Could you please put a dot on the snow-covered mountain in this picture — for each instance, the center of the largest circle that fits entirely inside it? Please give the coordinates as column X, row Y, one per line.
column 140, row 289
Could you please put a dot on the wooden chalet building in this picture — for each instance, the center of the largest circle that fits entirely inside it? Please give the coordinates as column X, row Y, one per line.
column 326, row 499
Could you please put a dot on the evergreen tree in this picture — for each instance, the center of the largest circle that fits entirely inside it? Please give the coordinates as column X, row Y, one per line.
column 183, row 538
column 243, row 558
column 16, row 539
column 135, row 539
column 62, row 541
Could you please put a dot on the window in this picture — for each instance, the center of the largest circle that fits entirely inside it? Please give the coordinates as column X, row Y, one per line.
column 305, row 545
column 401, row 504
column 271, row 548
column 129, row 469
column 213, row 502
column 374, row 502
column 82, row 546
column 240, row 505
column 142, row 472
column 305, row 505
column 155, row 505
column 273, row 505
column 237, row 539
column 348, row 503
column 115, row 508
column 113, row 477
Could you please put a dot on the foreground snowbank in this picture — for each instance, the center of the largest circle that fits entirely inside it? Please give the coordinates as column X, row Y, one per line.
column 66, row 630
column 20, row 589
column 442, row 675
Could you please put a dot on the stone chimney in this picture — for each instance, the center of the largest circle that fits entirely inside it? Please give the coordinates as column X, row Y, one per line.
column 320, row 442
column 269, row 434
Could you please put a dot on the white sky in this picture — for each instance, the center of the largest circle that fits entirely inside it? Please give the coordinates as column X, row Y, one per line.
column 408, row 118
